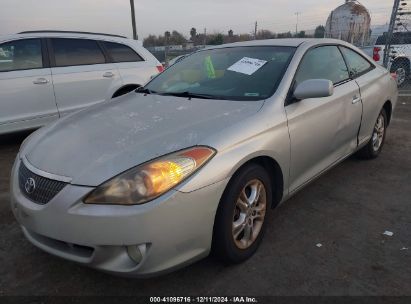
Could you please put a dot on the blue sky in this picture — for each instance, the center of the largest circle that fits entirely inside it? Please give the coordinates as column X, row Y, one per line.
column 157, row 16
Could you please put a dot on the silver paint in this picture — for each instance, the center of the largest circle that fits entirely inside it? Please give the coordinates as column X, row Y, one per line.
column 305, row 138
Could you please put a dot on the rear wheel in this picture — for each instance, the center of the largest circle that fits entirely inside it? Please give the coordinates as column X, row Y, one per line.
column 240, row 220
column 374, row 146
column 402, row 69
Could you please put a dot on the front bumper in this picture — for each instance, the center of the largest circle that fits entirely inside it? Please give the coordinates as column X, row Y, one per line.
column 170, row 232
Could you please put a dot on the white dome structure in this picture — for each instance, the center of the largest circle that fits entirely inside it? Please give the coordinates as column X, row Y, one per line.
column 349, row 22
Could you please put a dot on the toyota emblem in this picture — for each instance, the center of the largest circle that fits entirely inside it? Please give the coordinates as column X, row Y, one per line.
column 30, row 185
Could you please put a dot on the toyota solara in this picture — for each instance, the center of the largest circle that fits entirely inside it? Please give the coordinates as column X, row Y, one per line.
column 192, row 162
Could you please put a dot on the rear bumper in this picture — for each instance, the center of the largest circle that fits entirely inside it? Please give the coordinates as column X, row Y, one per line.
column 169, row 232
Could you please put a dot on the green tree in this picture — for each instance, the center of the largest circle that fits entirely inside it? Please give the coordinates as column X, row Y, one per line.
column 300, row 34
column 167, row 36
column 150, row 41
column 285, row 35
column 216, row 39
column 177, row 38
column 193, row 33
column 319, row 31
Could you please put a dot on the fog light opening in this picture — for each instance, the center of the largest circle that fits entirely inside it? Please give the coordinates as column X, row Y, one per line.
column 137, row 252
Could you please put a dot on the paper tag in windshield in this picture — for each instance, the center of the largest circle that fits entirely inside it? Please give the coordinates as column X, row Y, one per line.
column 247, row 65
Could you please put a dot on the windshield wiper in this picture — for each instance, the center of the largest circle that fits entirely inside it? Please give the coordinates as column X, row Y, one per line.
column 144, row 90
column 187, row 94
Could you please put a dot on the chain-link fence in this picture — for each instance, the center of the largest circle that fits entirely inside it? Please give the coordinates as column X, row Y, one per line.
column 168, row 57
column 393, row 49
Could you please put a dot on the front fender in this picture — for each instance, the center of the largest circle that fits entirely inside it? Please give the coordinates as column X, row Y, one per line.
column 264, row 134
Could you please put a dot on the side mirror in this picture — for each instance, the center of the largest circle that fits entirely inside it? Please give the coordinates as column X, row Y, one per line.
column 314, row 88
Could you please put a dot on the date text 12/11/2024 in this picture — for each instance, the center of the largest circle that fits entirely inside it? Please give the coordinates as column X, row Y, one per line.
column 208, row 299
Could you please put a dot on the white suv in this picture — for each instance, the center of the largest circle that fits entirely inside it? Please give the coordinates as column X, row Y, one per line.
column 400, row 55
column 47, row 74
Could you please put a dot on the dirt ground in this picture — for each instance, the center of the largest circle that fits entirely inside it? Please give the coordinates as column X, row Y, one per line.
column 347, row 210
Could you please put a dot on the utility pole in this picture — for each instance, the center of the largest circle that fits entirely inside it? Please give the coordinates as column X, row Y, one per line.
column 296, row 25
column 205, row 37
column 390, row 32
column 167, row 36
column 255, row 30
column 133, row 20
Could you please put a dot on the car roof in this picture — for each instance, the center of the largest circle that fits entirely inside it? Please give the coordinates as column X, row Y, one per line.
column 290, row 42
column 69, row 34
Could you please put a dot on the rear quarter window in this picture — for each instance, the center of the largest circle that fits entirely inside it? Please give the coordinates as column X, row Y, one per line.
column 122, row 53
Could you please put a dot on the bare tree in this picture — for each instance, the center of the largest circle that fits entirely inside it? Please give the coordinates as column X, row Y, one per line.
column 265, row 34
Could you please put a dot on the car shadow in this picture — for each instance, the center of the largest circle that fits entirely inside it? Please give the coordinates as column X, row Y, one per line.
column 14, row 138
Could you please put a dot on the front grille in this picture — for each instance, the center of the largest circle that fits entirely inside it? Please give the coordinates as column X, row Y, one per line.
column 36, row 188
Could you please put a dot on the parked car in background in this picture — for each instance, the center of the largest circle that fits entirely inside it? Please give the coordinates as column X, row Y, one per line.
column 47, row 74
column 176, row 59
column 400, row 55
column 194, row 160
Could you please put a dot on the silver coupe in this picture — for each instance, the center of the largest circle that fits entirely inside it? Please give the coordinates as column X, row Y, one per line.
column 192, row 162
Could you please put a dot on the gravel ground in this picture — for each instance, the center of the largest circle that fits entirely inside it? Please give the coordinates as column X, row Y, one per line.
column 347, row 210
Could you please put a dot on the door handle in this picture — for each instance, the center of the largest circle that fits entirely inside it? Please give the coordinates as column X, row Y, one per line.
column 356, row 99
column 41, row 81
column 108, row 75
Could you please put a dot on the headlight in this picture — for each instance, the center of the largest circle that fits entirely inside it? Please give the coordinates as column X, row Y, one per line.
column 152, row 179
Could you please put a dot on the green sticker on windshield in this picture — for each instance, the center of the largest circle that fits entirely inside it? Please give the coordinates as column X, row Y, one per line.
column 251, row 94
column 208, row 63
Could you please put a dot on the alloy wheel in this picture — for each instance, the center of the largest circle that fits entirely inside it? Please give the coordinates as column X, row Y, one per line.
column 401, row 76
column 378, row 135
column 249, row 214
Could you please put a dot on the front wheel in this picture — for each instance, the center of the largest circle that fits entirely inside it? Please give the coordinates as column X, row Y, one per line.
column 374, row 146
column 240, row 220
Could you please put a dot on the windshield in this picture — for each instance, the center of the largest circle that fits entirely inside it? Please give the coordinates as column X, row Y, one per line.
column 237, row 73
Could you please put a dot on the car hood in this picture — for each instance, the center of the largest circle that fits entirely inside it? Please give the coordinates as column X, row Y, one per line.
column 100, row 142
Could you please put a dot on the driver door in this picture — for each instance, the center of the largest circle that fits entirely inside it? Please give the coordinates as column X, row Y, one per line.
column 322, row 130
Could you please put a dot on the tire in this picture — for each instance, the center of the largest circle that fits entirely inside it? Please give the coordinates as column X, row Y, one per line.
column 373, row 148
column 402, row 69
column 231, row 211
